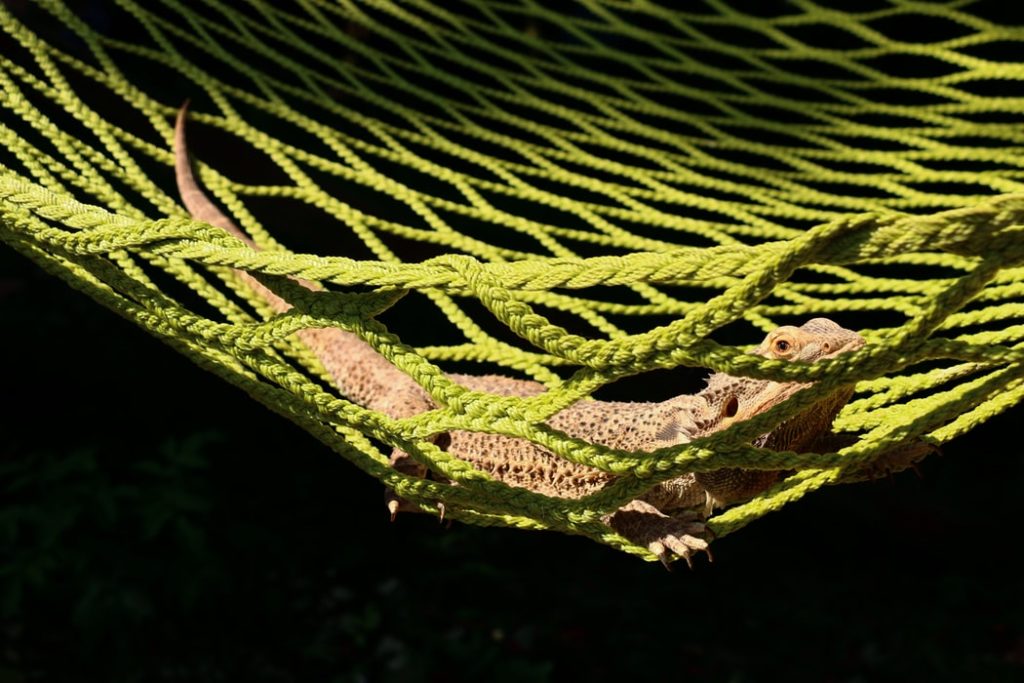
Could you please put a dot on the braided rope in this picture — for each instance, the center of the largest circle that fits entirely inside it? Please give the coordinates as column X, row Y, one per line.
column 614, row 182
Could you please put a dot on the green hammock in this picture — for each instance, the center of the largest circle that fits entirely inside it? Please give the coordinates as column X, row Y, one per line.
column 618, row 183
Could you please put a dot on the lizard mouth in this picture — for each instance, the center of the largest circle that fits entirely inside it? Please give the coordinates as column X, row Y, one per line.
column 847, row 345
column 852, row 344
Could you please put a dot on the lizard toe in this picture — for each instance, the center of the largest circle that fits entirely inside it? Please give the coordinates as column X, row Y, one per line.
column 685, row 546
column 681, row 534
column 661, row 553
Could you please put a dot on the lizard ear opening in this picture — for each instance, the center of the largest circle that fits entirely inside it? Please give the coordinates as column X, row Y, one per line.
column 731, row 406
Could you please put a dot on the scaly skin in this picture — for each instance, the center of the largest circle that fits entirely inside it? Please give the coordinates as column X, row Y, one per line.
column 668, row 518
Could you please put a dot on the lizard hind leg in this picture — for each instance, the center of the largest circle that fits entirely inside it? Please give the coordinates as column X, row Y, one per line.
column 404, row 463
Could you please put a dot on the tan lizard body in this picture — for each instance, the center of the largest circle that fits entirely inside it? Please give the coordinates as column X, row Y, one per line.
column 665, row 518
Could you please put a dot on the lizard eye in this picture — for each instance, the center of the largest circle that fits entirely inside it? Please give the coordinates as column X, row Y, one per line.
column 782, row 346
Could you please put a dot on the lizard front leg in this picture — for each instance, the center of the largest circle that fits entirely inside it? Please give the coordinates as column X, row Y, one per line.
column 682, row 532
column 665, row 519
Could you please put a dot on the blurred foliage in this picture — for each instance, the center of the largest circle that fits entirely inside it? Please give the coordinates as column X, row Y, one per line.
column 58, row 504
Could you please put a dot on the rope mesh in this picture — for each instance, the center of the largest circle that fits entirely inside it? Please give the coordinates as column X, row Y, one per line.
column 615, row 182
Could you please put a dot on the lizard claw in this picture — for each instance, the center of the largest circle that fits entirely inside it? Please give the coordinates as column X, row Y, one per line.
column 682, row 535
column 401, row 461
column 396, row 505
column 659, row 550
column 682, row 545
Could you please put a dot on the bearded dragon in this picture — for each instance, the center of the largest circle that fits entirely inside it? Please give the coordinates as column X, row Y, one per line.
column 667, row 518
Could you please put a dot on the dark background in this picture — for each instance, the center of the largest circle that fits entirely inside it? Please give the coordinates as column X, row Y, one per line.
column 157, row 524
column 160, row 525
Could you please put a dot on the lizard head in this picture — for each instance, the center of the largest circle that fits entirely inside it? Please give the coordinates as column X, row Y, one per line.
column 816, row 339
column 733, row 399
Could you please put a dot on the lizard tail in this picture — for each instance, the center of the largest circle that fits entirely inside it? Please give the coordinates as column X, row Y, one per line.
column 362, row 374
column 198, row 204
column 201, row 208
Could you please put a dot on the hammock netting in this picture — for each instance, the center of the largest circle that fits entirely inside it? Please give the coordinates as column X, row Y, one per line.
column 583, row 191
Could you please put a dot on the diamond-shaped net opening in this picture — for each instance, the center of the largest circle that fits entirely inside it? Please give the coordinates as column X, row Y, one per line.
column 573, row 193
